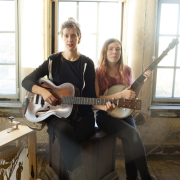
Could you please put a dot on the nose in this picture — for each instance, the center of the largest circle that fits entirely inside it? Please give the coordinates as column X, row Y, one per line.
column 114, row 51
column 69, row 38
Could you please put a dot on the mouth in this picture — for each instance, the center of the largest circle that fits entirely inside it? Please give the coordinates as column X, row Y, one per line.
column 70, row 45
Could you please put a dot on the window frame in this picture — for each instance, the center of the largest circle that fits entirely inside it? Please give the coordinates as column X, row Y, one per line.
column 55, row 15
column 16, row 96
column 167, row 100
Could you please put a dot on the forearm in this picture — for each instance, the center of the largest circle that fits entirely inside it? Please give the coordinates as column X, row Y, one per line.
column 100, row 107
column 38, row 90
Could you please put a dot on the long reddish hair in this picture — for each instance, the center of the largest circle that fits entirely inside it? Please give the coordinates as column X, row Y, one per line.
column 103, row 65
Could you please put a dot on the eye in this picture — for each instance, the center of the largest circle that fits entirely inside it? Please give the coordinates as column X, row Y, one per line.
column 118, row 49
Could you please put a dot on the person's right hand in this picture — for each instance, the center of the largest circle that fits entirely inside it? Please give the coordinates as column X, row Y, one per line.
column 48, row 97
column 128, row 93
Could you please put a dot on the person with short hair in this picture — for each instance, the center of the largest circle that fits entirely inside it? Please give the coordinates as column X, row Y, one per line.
column 72, row 67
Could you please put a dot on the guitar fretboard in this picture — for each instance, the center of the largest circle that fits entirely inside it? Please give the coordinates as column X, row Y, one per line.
column 141, row 78
column 86, row 101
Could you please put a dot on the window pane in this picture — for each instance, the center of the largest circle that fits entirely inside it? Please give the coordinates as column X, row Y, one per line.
column 178, row 56
column 169, row 18
column 7, row 47
column 88, row 23
column 66, row 10
column 88, row 49
column 88, row 26
column 164, row 82
column 163, row 44
column 108, row 20
column 7, row 80
column 7, row 16
column 177, row 84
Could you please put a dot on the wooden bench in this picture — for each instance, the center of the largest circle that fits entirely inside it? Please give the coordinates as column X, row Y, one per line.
column 98, row 157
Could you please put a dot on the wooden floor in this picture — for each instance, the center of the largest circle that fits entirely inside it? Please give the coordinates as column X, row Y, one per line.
column 161, row 167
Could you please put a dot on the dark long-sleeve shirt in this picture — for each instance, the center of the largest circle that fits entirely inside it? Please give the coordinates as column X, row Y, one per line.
column 80, row 73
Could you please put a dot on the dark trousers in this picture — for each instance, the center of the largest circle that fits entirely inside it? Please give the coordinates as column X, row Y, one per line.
column 69, row 144
column 70, row 134
column 125, row 129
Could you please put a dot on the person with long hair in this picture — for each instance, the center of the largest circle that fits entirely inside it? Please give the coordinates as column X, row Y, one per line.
column 111, row 71
column 72, row 67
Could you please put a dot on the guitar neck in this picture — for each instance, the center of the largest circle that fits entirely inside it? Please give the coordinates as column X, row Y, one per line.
column 141, row 78
column 86, row 101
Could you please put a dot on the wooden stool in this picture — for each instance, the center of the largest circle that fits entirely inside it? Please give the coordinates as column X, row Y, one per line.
column 98, row 158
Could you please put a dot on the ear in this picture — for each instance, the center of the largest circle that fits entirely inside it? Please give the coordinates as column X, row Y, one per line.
column 79, row 39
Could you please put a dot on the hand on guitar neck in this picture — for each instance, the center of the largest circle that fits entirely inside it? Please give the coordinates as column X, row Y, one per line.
column 146, row 74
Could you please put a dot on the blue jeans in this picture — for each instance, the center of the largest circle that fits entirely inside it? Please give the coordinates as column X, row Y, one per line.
column 125, row 129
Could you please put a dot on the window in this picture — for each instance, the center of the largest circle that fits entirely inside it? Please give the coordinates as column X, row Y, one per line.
column 98, row 22
column 167, row 83
column 8, row 49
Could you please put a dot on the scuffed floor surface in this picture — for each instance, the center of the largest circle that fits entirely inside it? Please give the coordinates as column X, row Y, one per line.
column 161, row 167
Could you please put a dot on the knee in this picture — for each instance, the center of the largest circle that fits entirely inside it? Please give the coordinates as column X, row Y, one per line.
column 62, row 129
column 135, row 135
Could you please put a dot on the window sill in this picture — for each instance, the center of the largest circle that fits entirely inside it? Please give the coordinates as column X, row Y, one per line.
column 10, row 109
column 165, row 110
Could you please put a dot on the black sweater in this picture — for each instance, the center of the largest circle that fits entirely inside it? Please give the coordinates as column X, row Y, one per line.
column 64, row 71
column 77, row 73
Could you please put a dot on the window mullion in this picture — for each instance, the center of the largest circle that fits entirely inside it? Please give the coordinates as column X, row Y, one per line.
column 97, row 34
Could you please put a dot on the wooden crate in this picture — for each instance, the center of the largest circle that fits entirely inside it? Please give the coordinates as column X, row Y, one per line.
column 98, row 157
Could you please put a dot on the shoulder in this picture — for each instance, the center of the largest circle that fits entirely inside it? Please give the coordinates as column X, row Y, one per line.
column 89, row 62
column 54, row 56
column 127, row 70
column 86, row 59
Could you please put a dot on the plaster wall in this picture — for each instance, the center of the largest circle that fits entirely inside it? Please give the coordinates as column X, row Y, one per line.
column 139, row 40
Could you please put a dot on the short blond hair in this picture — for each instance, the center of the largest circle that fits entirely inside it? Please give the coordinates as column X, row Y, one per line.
column 71, row 23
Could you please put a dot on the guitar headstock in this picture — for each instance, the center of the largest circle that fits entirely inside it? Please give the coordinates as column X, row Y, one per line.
column 129, row 103
column 173, row 43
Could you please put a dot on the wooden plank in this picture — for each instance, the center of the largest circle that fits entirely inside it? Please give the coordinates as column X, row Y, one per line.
column 154, row 166
column 32, row 154
column 166, row 172
column 175, row 168
column 151, row 171
column 6, row 138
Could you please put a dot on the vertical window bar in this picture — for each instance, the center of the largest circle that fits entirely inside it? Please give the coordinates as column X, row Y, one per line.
column 78, row 11
column 176, row 49
column 97, row 34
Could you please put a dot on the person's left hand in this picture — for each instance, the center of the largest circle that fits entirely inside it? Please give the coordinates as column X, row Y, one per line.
column 147, row 74
column 109, row 106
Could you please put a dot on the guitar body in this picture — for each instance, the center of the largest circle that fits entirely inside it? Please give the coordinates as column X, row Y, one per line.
column 62, row 110
column 118, row 112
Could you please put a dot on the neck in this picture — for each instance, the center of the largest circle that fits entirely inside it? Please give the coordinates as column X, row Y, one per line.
column 112, row 67
column 71, row 55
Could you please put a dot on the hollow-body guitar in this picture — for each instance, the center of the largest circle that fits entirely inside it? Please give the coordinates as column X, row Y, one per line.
column 38, row 110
